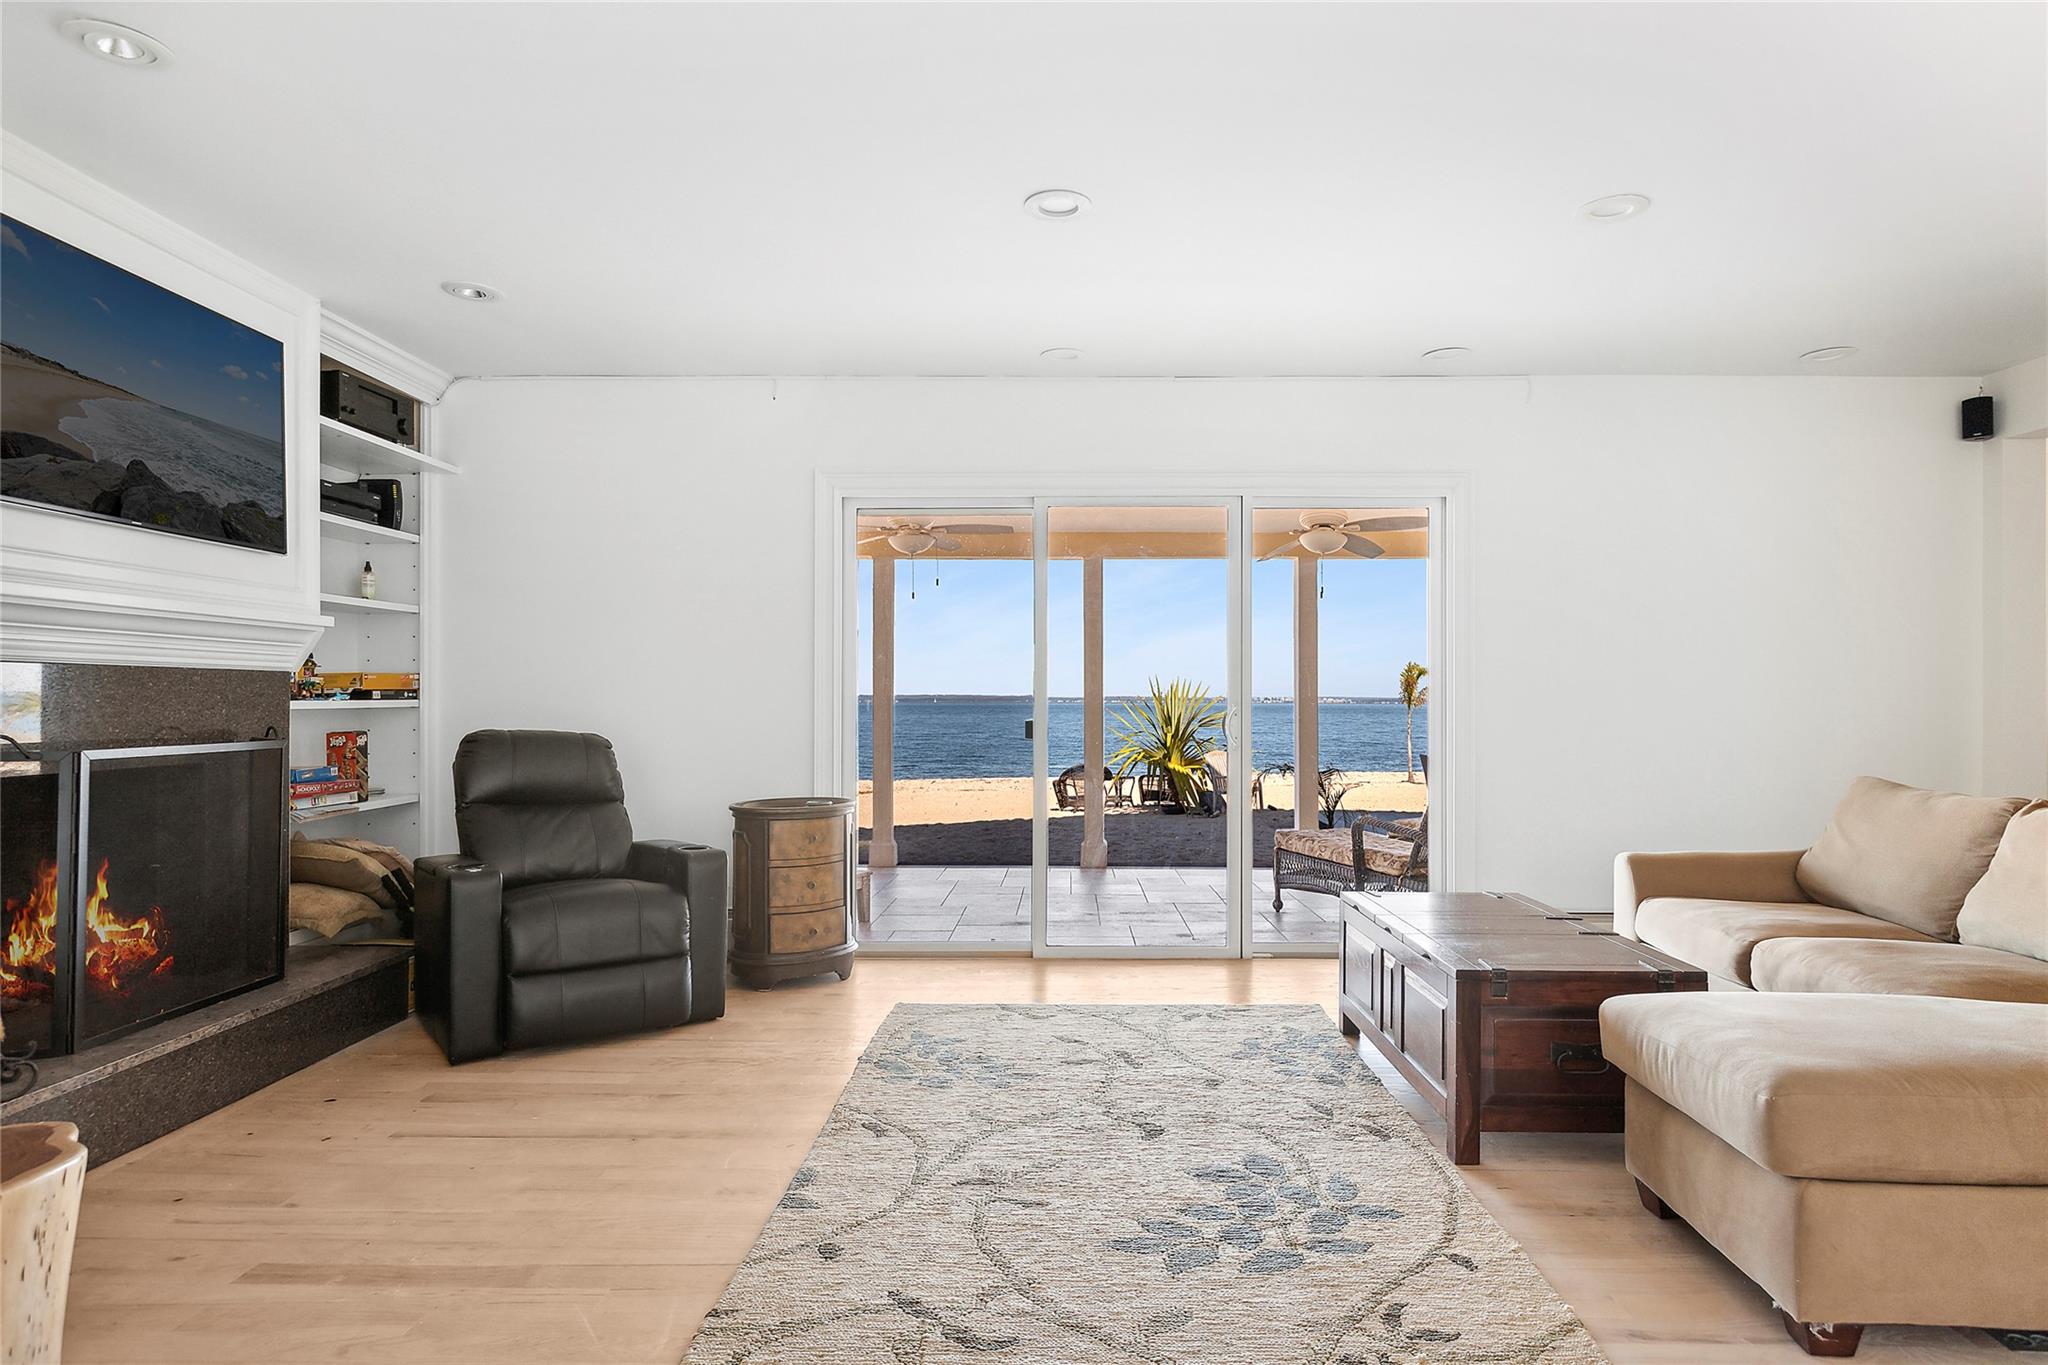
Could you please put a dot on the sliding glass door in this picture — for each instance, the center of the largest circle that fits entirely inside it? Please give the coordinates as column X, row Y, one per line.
column 1136, row 680
column 1130, row 727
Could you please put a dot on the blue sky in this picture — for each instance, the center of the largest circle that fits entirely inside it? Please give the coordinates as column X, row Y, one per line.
column 970, row 632
column 120, row 329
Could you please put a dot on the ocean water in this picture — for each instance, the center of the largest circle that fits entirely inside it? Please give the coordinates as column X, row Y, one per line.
column 984, row 737
column 186, row 452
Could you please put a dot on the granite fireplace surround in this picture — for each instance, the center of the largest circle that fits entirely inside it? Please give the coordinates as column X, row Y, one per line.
column 139, row 1083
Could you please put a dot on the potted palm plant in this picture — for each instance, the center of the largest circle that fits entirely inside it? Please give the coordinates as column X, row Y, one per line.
column 1166, row 733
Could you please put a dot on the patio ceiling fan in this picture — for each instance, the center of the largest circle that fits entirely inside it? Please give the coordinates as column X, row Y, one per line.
column 1325, row 533
column 916, row 537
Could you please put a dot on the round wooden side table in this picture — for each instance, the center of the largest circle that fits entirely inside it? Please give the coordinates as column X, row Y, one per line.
column 792, row 888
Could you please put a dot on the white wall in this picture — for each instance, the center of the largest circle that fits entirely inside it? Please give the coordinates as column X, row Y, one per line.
column 2016, row 581
column 1698, row 606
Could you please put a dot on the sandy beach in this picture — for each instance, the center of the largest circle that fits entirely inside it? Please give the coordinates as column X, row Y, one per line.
column 40, row 395
column 960, row 800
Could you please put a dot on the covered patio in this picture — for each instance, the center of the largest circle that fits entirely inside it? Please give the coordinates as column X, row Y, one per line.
column 1116, row 907
column 1094, row 535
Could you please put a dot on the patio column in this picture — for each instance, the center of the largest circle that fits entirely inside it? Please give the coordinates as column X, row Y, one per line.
column 882, row 717
column 1307, row 691
column 1094, row 840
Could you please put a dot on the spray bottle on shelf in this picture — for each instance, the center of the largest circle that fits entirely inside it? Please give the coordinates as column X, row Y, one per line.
column 368, row 587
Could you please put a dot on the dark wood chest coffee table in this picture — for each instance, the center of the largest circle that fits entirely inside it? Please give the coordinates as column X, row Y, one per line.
column 1489, row 1005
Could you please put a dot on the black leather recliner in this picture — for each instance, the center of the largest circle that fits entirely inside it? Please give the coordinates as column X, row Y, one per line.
column 553, row 924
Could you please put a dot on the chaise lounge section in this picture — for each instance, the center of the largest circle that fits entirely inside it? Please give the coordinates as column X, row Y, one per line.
column 1863, row 1158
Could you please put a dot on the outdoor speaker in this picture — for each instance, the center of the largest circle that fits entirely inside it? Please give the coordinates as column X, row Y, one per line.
column 1977, row 418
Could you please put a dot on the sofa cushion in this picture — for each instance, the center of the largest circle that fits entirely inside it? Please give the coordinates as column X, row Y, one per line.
column 2008, row 907
column 1879, row 967
column 1849, row 1087
column 1903, row 854
column 565, row 926
column 1718, row 936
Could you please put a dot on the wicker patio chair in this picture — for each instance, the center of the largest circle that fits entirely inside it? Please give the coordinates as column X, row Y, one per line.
column 1070, row 790
column 1372, row 855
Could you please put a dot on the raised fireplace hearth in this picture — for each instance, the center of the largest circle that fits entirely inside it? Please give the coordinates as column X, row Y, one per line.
column 139, row 883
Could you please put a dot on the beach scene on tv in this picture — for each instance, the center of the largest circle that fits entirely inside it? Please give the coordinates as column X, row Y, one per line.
column 120, row 399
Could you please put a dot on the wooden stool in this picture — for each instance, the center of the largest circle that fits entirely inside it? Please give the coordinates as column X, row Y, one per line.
column 42, row 1176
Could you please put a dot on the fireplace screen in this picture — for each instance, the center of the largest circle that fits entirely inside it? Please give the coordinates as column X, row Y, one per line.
column 173, row 895
column 35, row 857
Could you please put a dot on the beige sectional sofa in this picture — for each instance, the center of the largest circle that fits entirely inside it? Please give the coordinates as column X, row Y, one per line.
column 1896, row 897
column 1858, row 1116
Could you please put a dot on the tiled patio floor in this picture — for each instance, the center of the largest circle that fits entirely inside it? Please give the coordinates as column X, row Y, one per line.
column 1122, row 907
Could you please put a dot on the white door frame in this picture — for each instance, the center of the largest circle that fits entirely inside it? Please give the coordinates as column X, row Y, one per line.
column 1453, row 767
column 1237, row 840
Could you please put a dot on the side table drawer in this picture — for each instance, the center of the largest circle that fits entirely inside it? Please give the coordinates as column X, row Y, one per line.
column 803, row 933
column 803, row 884
column 795, row 841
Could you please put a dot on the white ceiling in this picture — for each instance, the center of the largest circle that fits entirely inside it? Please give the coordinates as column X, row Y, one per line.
column 1312, row 190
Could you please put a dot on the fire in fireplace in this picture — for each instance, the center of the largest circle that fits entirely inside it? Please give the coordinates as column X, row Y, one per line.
column 118, row 952
column 181, row 901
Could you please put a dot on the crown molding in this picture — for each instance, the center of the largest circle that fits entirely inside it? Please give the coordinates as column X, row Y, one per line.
column 379, row 359
column 67, row 182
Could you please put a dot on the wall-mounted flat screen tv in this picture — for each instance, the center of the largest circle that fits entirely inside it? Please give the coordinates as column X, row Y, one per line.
column 120, row 399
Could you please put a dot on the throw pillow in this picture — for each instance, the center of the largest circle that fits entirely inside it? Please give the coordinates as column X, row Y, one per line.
column 328, row 863
column 327, row 910
column 2008, row 907
column 1904, row 855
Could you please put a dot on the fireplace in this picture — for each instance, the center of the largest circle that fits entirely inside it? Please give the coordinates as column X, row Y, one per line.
column 139, row 883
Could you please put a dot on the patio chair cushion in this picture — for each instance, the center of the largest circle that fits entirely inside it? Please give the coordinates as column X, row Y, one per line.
column 1386, row 856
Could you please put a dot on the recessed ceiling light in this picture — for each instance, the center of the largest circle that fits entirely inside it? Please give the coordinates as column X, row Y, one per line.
column 115, row 42
column 1060, row 353
column 1447, row 353
column 472, row 293
column 1612, row 208
column 1828, row 353
column 1056, row 204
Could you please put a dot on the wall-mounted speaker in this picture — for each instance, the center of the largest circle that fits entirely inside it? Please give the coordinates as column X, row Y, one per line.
column 1977, row 418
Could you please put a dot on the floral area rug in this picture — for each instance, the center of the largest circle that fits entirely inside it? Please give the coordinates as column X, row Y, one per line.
column 1177, row 1184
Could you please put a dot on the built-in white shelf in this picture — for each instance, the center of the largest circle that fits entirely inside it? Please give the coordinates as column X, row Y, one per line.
column 406, row 704
column 392, row 633
column 346, row 448
column 334, row 527
column 334, row 601
column 384, row 802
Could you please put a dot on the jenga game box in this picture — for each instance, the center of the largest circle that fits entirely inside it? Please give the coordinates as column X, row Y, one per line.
column 348, row 753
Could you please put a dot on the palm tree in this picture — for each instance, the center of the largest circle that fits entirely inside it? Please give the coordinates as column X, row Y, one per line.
column 1167, row 733
column 1413, row 694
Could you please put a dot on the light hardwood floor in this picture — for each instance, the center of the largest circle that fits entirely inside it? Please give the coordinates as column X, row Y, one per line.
column 588, row 1204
